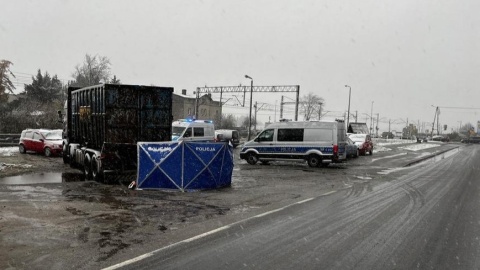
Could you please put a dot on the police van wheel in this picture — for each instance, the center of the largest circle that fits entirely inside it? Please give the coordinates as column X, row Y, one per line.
column 252, row 159
column 314, row 161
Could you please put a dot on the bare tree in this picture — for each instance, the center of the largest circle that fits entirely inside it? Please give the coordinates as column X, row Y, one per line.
column 228, row 121
column 310, row 104
column 5, row 82
column 94, row 70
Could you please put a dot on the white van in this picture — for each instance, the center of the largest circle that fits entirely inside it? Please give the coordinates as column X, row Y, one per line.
column 193, row 130
column 319, row 143
column 228, row 135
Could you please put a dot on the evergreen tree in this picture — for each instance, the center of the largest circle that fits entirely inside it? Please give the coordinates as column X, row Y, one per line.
column 44, row 88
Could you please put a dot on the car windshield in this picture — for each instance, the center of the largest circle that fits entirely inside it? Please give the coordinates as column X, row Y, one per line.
column 177, row 131
column 54, row 135
column 358, row 137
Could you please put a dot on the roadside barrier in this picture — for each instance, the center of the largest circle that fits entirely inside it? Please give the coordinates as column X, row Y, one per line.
column 9, row 139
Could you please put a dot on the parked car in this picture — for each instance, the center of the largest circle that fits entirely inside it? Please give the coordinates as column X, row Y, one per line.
column 352, row 149
column 439, row 138
column 363, row 142
column 45, row 141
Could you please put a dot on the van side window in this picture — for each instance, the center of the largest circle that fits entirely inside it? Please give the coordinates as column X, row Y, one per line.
column 188, row 133
column 198, row 132
column 290, row 135
column 266, row 136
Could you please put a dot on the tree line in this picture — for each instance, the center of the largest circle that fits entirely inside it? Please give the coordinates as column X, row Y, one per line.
column 37, row 104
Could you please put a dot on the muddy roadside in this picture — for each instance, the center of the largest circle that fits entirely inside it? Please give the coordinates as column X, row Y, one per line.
column 87, row 225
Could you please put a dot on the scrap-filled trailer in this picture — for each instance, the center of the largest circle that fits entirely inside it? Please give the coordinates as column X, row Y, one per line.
column 103, row 124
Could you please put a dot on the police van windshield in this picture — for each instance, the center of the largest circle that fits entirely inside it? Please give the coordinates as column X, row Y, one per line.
column 177, row 131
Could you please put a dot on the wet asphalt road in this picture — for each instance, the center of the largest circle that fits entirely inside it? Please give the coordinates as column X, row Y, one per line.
column 424, row 217
column 67, row 222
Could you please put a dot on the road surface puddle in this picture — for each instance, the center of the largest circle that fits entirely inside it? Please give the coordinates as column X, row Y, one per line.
column 42, row 178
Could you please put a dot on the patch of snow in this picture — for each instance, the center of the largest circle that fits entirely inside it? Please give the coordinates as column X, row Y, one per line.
column 419, row 146
column 6, row 165
column 8, row 151
column 363, row 177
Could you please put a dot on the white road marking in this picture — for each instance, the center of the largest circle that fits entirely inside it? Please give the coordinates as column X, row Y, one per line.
column 149, row 254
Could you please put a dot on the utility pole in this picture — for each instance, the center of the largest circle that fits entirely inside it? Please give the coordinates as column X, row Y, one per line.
column 255, row 123
column 378, row 117
column 433, row 124
column 320, row 111
column 281, row 108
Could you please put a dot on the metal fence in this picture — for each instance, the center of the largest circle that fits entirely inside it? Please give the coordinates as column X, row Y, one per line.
column 9, row 139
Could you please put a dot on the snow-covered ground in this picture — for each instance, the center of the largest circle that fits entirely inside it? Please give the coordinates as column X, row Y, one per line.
column 9, row 152
column 383, row 145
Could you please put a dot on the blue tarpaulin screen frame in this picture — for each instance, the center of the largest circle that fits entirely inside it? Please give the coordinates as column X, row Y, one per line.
column 184, row 165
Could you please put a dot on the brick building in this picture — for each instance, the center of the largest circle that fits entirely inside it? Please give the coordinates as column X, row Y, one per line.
column 183, row 106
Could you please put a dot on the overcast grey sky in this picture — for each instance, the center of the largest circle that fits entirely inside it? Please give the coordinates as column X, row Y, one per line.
column 403, row 55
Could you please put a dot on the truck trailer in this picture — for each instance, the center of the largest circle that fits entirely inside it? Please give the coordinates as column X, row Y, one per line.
column 103, row 123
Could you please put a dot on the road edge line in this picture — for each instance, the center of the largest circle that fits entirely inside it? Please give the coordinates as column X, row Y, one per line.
column 151, row 253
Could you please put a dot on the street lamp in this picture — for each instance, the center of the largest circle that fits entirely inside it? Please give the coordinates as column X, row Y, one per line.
column 250, row 111
column 349, row 94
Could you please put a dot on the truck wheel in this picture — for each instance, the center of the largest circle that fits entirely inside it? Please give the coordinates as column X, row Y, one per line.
column 97, row 174
column 314, row 160
column 252, row 158
column 65, row 158
column 21, row 149
column 48, row 152
column 87, row 167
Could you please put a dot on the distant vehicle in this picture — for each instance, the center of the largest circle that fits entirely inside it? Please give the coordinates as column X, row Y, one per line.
column 318, row 142
column 351, row 148
column 193, row 130
column 439, row 138
column 364, row 143
column 45, row 141
column 103, row 123
column 225, row 135
column 471, row 140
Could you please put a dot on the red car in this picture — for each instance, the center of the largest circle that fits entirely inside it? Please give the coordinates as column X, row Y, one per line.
column 364, row 143
column 45, row 141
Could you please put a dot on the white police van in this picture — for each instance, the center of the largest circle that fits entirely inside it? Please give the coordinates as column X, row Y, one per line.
column 193, row 130
column 317, row 142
